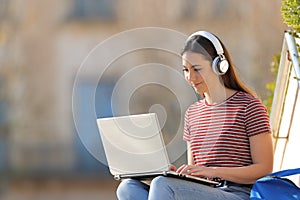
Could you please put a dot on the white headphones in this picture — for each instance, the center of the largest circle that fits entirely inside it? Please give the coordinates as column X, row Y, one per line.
column 220, row 64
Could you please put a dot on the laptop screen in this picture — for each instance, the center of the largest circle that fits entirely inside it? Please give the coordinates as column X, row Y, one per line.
column 133, row 144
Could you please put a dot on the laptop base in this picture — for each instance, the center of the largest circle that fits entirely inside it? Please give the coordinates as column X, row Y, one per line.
column 151, row 175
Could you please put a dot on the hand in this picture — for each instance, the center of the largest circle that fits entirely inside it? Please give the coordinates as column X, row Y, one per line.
column 195, row 170
column 185, row 169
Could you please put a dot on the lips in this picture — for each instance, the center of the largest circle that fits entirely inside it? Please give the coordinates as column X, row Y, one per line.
column 196, row 84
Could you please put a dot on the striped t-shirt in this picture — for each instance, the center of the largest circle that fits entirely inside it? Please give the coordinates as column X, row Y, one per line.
column 219, row 134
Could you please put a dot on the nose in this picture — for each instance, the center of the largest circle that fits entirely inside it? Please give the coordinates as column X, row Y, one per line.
column 190, row 76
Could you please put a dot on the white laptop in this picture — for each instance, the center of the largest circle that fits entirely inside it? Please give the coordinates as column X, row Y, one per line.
column 134, row 148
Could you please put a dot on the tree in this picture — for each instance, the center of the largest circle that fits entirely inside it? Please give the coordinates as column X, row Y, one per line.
column 290, row 11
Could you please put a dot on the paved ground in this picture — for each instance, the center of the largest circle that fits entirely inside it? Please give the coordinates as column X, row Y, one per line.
column 58, row 189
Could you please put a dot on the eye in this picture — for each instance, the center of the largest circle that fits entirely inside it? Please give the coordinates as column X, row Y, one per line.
column 185, row 70
column 197, row 68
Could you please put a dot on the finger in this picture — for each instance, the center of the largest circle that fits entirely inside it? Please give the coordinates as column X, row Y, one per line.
column 181, row 169
column 172, row 168
column 190, row 169
column 186, row 169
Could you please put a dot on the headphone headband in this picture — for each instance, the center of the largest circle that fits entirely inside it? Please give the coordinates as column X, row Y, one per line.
column 215, row 41
column 219, row 64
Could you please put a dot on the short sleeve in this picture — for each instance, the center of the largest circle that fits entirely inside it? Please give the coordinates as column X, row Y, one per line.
column 256, row 118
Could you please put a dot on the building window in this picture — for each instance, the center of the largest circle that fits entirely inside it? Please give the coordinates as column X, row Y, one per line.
column 94, row 10
column 90, row 140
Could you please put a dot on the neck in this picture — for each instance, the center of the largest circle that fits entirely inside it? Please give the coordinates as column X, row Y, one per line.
column 218, row 95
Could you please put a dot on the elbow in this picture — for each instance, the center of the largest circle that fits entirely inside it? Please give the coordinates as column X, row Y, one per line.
column 262, row 170
column 267, row 168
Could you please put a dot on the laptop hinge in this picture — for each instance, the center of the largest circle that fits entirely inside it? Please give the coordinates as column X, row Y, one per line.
column 117, row 177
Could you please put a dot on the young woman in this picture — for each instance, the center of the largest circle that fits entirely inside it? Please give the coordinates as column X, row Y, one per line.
column 227, row 132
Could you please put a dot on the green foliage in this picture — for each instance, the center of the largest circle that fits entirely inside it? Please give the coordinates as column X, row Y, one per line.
column 290, row 10
column 271, row 86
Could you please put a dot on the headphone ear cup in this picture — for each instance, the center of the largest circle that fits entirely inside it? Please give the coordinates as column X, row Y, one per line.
column 219, row 66
column 215, row 64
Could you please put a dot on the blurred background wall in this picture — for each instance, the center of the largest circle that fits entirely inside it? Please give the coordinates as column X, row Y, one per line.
column 43, row 44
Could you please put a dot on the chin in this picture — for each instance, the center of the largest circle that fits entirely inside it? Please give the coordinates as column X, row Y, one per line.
column 200, row 93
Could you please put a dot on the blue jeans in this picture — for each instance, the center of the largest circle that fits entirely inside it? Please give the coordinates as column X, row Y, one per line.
column 166, row 188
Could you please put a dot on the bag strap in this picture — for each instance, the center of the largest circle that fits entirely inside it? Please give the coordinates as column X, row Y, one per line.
column 286, row 172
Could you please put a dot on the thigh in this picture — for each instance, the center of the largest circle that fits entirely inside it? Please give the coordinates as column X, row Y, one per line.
column 171, row 188
column 130, row 189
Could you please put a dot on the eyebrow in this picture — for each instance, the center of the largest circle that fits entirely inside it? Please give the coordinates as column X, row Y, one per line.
column 193, row 66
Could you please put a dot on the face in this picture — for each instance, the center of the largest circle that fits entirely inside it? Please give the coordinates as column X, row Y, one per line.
column 198, row 72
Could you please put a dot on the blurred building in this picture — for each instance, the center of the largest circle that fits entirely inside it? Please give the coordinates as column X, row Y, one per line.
column 44, row 43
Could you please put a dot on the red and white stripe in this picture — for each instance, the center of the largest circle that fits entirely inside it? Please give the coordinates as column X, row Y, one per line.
column 219, row 134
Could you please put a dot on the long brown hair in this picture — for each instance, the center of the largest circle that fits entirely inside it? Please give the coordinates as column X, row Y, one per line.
column 202, row 45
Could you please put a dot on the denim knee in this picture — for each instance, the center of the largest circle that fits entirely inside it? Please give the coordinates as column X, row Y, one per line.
column 161, row 188
column 132, row 189
column 160, row 181
column 123, row 190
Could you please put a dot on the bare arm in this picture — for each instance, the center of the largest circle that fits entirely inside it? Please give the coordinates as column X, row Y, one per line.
column 262, row 156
